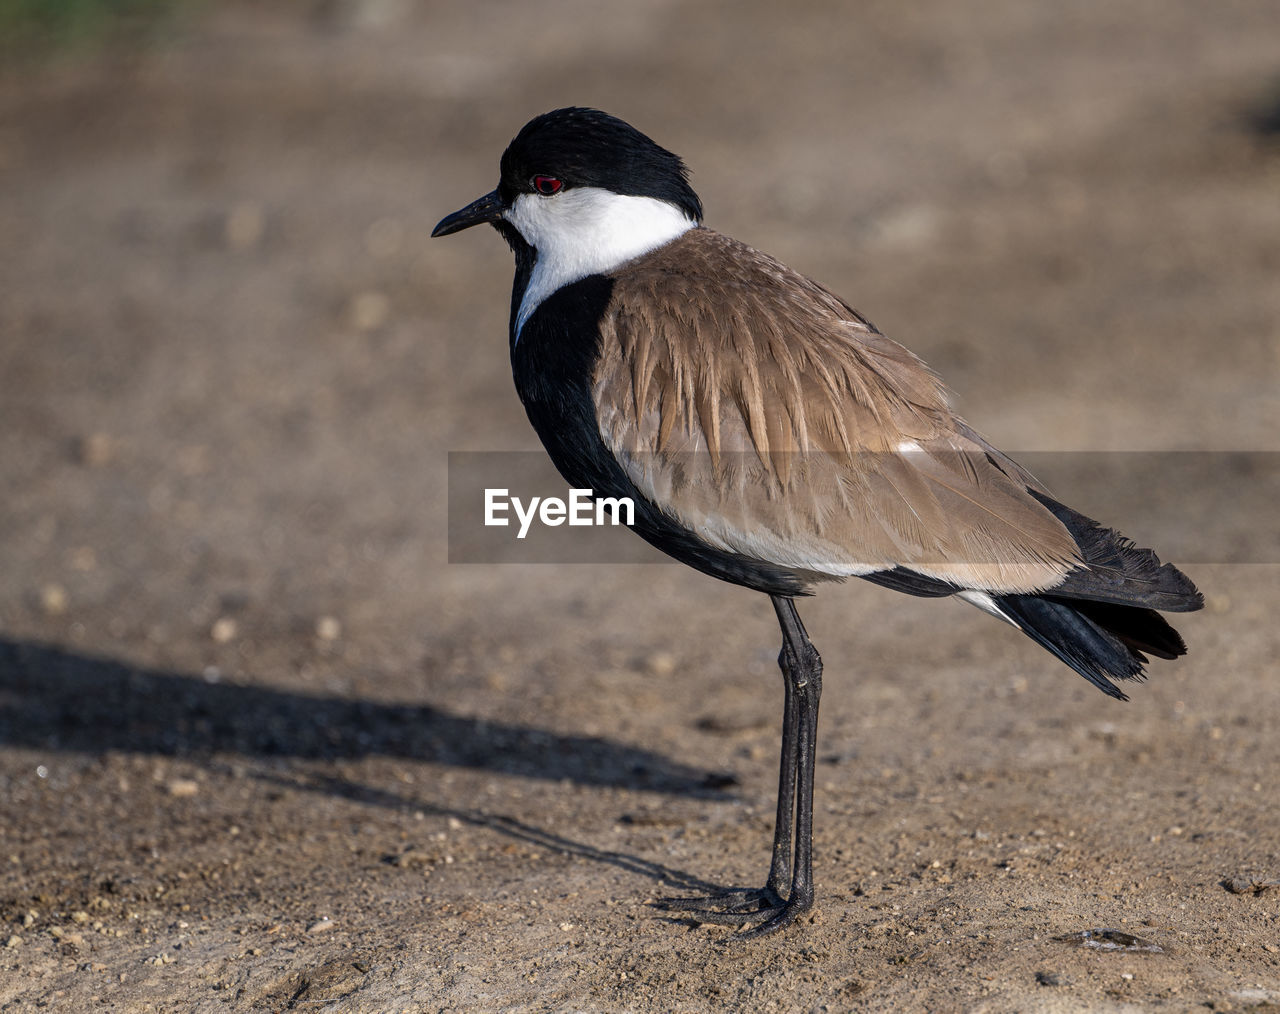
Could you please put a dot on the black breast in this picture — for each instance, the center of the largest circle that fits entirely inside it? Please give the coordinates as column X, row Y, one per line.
column 553, row 361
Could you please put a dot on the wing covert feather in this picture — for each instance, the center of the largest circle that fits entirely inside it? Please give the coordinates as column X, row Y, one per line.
column 769, row 417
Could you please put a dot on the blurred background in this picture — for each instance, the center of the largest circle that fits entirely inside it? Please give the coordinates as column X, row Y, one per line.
column 233, row 364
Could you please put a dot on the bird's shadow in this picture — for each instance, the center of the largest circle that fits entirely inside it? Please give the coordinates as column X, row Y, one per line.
column 502, row 824
column 52, row 699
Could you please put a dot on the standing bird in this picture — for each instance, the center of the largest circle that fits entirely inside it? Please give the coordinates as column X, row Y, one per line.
column 770, row 436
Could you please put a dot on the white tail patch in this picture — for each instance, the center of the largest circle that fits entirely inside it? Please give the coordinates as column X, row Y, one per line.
column 987, row 604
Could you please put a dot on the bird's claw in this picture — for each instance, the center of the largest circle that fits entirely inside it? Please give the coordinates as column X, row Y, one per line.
column 740, row 906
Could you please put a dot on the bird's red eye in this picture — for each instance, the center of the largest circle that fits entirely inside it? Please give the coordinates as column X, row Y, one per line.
column 547, row 185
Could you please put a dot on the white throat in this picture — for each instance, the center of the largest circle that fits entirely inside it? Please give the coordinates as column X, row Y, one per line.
column 587, row 231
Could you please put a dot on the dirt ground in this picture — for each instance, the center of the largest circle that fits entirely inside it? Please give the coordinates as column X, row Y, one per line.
column 262, row 748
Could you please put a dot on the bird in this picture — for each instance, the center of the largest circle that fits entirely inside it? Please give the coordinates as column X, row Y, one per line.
column 769, row 435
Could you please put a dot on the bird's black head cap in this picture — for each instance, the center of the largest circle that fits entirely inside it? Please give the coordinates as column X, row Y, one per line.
column 588, row 148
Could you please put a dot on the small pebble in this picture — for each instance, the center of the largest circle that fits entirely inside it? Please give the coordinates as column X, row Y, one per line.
column 661, row 663
column 369, row 311
column 224, row 629
column 53, row 600
column 13, row 941
column 1249, row 885
column 328, row 628
column 183, row 788
column 411, row 858
column 93, row 450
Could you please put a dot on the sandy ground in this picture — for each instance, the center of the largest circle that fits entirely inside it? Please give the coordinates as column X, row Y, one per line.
column 262, row 748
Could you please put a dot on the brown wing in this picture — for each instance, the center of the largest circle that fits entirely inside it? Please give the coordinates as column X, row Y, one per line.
column 766, row 415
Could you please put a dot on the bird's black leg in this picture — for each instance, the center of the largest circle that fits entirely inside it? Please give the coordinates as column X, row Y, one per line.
column 802, row 674
column 802, row 669
column 780, row 864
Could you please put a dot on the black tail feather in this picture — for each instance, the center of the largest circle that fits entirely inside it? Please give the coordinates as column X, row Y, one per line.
column 1117, row 571
column 1090, row 648
column 1101, row 620
column 1140, row 630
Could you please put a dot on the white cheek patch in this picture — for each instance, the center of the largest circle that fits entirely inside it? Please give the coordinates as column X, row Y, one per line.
column 587, row 231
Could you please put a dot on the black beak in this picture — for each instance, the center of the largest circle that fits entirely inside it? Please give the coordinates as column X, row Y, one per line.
column 485, row 209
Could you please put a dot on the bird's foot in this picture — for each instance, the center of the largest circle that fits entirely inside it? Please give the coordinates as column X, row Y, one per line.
column 760, row 910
